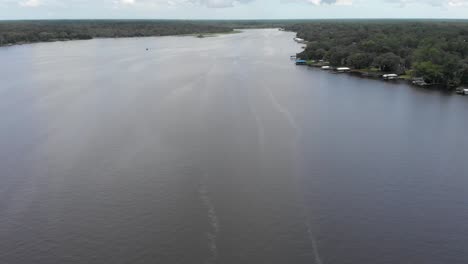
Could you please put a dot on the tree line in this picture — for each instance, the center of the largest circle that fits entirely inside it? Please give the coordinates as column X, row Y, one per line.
column 15, row 32
column 434, row 50
column 30, row 31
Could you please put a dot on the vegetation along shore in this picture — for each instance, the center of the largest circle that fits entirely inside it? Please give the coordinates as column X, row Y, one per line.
column 32, row 31
column 20, row 32
column 432, row 52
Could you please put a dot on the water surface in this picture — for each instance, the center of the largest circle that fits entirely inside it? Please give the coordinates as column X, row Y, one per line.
column 220, row 150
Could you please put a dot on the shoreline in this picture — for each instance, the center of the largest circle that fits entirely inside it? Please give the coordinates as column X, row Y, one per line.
column 429, row 54
column 378, row 77
column 205, row 35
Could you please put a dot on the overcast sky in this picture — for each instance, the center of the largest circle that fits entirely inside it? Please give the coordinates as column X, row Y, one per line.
column 229, row 9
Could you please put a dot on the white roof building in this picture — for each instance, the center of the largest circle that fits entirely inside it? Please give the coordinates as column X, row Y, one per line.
column 343, row 69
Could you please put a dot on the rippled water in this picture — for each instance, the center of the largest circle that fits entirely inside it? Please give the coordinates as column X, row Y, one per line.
column 220, row 150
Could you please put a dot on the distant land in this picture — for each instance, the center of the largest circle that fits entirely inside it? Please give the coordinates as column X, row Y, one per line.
column 30, row 31
column 435, row 51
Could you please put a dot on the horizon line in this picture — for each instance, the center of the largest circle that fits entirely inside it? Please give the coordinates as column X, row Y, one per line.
column 225, row 19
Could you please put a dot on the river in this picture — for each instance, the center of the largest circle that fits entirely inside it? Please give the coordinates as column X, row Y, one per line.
column 221, row 150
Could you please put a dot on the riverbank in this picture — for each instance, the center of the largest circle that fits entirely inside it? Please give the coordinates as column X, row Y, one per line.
column 210, row 35
column 197, row 35
column 27, row 32
column 433, row 50
column 34, row 31
column 383, row 76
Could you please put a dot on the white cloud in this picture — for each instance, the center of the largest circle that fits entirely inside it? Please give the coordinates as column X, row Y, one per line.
column 156, row 4
column 127, row 2
column 449, row 3
column 207, row 3
column 321, row 2
column 30, row 3
column 330, row 2
column 458, row 3
column 220, row 3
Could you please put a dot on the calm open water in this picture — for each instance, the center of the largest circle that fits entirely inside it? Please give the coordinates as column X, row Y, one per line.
column 220, row 150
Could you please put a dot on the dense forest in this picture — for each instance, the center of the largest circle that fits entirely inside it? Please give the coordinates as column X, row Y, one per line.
column 434, row 50
column 30, row 31
column 14, row 32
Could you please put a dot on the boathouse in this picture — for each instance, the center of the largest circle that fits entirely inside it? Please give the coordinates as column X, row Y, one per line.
column 390, row 76
column 343, row 69
column 301, row 62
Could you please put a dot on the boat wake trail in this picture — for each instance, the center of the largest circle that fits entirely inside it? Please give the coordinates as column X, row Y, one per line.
column 260, row 128
column 313, row 241
column 307, row 219
column 212, row 233
column 283, row 110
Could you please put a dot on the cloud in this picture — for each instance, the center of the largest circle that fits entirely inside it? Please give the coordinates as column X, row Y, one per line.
column 321, row 2
column 402, row 3
column 30, row 3
column 458, row 3
column 220, row 3
column 127, row 2
column 449, row 3
column 207, row 3
column 330, row 2
column 155, row 4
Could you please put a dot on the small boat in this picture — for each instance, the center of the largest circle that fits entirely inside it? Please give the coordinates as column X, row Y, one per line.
column 299, row 40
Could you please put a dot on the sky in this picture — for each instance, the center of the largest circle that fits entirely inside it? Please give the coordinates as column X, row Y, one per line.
column 231, row 9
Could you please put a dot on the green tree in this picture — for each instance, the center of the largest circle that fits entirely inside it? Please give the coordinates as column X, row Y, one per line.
column 359, row 60
column 337, row 57
column 389, row 62
column 432, row 73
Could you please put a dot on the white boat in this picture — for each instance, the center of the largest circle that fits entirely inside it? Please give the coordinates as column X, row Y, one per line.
column 299, row 40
